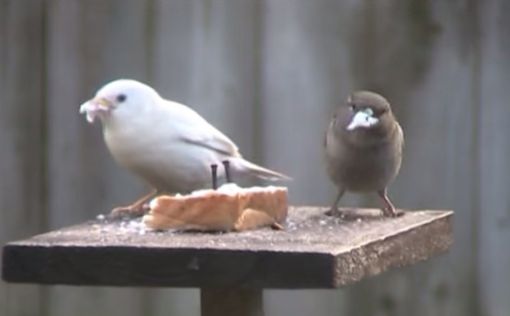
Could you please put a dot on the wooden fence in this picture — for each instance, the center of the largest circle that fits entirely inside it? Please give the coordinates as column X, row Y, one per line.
column 268, row 73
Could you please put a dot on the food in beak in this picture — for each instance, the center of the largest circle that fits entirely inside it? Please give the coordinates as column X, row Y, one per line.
column 362, row 119
column 93, row 108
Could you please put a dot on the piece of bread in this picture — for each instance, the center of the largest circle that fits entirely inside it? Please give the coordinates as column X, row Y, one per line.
column 227, row 208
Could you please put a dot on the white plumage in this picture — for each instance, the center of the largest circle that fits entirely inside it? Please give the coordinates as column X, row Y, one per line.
column 167, row 144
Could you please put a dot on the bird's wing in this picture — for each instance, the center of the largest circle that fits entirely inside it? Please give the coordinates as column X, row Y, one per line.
column 199, row 132
column 400, row 136
column 224, row 146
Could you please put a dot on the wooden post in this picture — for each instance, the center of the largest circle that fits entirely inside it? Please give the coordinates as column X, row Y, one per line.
column 231, row 302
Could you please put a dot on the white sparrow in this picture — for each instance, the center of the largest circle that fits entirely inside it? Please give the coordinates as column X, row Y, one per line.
column 167, row 144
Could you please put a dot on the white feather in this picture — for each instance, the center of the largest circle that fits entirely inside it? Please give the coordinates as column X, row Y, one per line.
column 362, row 119
column 167, row 143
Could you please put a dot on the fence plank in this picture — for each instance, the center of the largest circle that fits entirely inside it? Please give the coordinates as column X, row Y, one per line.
column 208, row 61
column 304, row 75
column 494, row 150
column 89, row 44
column 304, row 56
column 336, row 47
column 205, row 56
column 440, row 129
column 22, row 193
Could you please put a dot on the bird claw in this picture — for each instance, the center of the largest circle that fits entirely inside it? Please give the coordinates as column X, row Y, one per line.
column 277, row 226
column 392, row 212
column 334, row 211
column 129, row 211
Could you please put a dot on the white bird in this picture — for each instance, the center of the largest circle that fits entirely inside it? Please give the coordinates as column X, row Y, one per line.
column 167, row 144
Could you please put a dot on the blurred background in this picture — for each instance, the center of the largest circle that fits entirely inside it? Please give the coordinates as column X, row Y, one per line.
column 269, row 74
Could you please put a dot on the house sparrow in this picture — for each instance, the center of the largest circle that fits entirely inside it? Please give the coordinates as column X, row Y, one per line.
column 363, row 147
column 167, row 144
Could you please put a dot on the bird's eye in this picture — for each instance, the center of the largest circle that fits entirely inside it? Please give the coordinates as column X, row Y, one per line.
column 121, row 98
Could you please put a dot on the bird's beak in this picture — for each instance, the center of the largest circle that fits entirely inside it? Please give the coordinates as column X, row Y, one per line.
column 96, row 107
column 363, row 118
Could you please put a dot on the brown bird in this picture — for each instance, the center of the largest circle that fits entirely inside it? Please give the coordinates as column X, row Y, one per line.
column 363, row 147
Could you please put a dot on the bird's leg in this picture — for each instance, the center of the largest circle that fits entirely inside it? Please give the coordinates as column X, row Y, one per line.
column 135, row 209
column 388, row 210
column 214, row 173
column 334, row 211
column 277, row 226
column 226, row 164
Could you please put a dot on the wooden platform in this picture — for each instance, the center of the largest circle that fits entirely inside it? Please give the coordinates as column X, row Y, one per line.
column 315, row 251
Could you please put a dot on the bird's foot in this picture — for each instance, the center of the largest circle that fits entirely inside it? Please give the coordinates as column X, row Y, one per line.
column 277, row 226
column 335, row 212
column 388, row 209
column 138, row 208
column 129, row 211
column 392, row 212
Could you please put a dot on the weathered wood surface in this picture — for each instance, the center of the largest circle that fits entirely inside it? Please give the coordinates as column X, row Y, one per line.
column 268, row 73
column 315, row 251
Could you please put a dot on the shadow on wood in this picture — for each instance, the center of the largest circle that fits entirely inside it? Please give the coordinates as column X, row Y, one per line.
column 231, row 302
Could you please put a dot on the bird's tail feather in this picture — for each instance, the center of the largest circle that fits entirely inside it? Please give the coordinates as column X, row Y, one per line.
column 258, row 171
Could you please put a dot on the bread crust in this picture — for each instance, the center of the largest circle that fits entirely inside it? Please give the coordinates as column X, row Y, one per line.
column 220, row 210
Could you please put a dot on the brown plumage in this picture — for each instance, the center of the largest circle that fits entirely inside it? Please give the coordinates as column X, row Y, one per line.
column 363, row 147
